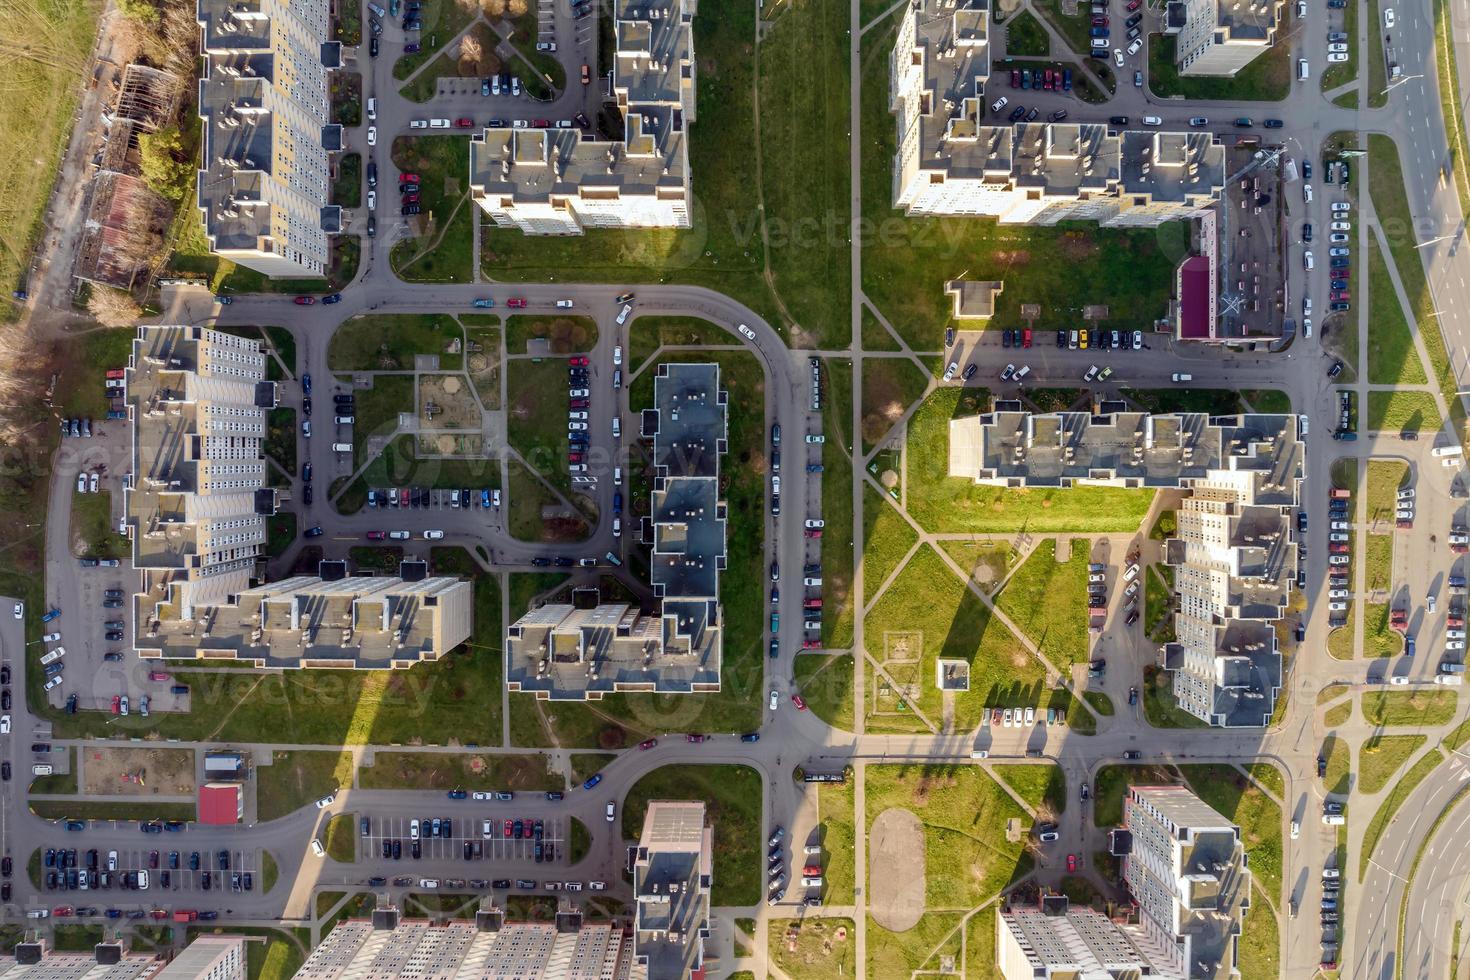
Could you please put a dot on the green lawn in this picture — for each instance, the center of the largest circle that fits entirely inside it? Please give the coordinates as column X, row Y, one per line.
column 1239, row 800
column 58, row 782
column 890, row 386
column 1377, row 68
column 1025, row 37
column 1383, row 755
column 906, row 260
column 1042, row 786
column 377, row 408
column 732, row 796
column 1260, row 945
column 425, row 84
column 1266, row 79
column 987, row 561
column 804, row 127
column 347, row 188
column 537, row 429
column 1268, row 400
column 94, row 528
column 477, row 771
column 1339, row 756
column 1111, row 787
column 1344, row 72
column 810, row 948
column 1391, row 803
column 825, row 681
column 1268, row 776
column 91, row 810
column 1047, row 601
column 837, row 818
column 1337, row 715
column 442, row 20
column 295, row 779
column 1392, row 357
column 927, row 614
column 1159, row 705
column 566, row 334
column 1390, row 709
column 1378, row 562
column 444, row 248
column 1385, row 478
column 1075, row 27
column 943, row 503
column 280, row 437
column 837, row 537
column 341, row 838
column 389, row 341
column 887, row 538
column 646, row 334
column 1399, row 411
column 526, row 497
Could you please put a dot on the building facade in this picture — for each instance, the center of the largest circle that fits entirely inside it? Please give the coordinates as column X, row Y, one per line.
column 195, row 510
column 265, row 179
column 208, row 958
column 1055, row 941
column 581, row 651
column 559, row 181
column 672, row 873
column 1216, row 37
column 1188, row 871
column 1235, row 554
column 949, row 161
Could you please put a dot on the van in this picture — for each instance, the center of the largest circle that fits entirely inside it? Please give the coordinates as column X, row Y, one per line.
column 613, row 559
column 1181, row 378
column 617, row 428
column 438, row 123
column 1449, row 680
column 53, row 656
column 1307, row 261
column 1334, row 819
column 316, row 847
column 344, row 419
column 143, row 881
column 617, row 476
column 41, row 770
column 1025, row 370
column 1303, row 69
column 617, row 378
column 1152, row 121
column 1452, row 668
column 341, row 447
column 372, row 108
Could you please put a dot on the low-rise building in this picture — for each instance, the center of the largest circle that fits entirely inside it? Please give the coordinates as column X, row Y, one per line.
column 560, row 180
column 571, row 651
column 265, row 177
column 1234, row 554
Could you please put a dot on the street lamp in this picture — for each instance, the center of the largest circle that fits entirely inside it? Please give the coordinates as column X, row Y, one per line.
column 1400, row 81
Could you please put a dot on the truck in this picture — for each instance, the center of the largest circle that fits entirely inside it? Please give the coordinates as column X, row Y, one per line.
column 1450, row 680
column 1453, row 449
column 1338, row 493
column 1399, row 620
column 185, row 915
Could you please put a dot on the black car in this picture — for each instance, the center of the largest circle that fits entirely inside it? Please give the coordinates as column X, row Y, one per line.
column 306, row 494
column 306, row 407
column 1132, row 754
column 1321, row 766
column 387, row 848
column 372, row 227
column 249, row 880
column 415, row 850
column 166, row 878
column 750, row 737
column 500, row 883
column 204, row 879
column 224, row 860
column 1335, row 370
column 1273, row 124
column 194, row 861
column 409, row 188
column 397, row 849
column 555, row 795
column 408, row 209
column 373, row 47
column 469, row 851
column 1061, row 340
column 5, row 674
column 970, row 372
column 1118, row 120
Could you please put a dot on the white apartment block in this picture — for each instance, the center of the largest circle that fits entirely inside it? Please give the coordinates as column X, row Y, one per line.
column 951, row 162
column 35, row 960
column 265, row 177
column 1057, row 942
column 195, row 509
column 1220, row 37
column 561, row 181
column 208, row 958
column 1187, row 869
column 1234, row 553
column 672, row 873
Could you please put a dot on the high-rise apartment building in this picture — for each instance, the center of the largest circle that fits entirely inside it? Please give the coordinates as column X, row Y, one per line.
column 195, row 509
column 557, row 181
column 1054, row 941
column 1220, row 37
column 950, row 161
column 208, row 958
column 672, row 872
column 265, row 180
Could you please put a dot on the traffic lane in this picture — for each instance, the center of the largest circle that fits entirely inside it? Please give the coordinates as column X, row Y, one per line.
column 1435, row 897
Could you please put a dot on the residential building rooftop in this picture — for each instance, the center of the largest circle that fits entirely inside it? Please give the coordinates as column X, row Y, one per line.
column 672, row 873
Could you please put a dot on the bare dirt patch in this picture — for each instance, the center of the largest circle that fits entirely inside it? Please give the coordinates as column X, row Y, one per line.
column 137, row 772
column 446, row 401
column 896, row 858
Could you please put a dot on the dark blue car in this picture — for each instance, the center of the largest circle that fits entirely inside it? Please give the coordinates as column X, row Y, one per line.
column 592, row 780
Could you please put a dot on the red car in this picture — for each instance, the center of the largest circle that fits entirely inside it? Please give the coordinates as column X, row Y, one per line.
column 117, row 373
column 1072, row 862
column 810, row 644
column 813, row 532
column 541, row 123
column 158, row 675
column 1134, row 5
column 376, row 535
column 516, row 303
column 648, row 743
column 578, row 403
column 408, row 178
column 61, row 911
column 800, row 703
column 995, row 718
column 812, row 870
column 1026, row 337
column 410, row 199
column 574, row 457
column 694, row 738
column 403, row 497
column 509, row 827
column 116, row 703
column 528, row 829
column 577, row 361
column 305, row 301
column 1099, row 22
column 464, row 123
column 1341, row 294
column 1015, row 78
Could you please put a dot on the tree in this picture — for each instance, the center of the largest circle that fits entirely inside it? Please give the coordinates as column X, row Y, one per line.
column 140, row 10
column 113, row 307
column 493, row 8
column 470, row 50
column 518, row 8
column 165, row 166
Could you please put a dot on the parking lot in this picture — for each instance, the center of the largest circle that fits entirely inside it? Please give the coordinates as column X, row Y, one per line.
column 497, row 837
column 187, row 870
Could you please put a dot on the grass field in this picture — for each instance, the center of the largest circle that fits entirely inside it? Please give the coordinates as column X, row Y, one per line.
column 1025, row 37
column 443, row 250
column 1266, row 79
column 1344, row 72
column 1377, row 65
column 733, row 797
column 435, row 770
column 442, row 20
column 906, row 260
column 47, row 46
column 1385, row 477
column 928, row 614
column 1042, row 786
column 1339, row 756
column 890, row 386
column 1401, row 411
column 1383, row 755
column 837, row 816
column 388, row 342
column 93, row 529
column 1337, row 715
column 1159, row 705
column 812, row 948
column 1047, row 600
column 1398, row 709
column 341, row 838
column 825, row 681
column 1444, row 51
column 1391, row 803
column 295, row 779
column 943, row 503
column 537, row 428
column 566, row 334
column 985, row 560
column 839, row 605
column 887, row 538
column 1260, row 945
column 1392, row 357
column 646, row 334
column 85, row 809
column 1378, row 562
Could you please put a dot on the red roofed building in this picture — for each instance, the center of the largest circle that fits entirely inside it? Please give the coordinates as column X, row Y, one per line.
column 1195, row 295
column 221, row 803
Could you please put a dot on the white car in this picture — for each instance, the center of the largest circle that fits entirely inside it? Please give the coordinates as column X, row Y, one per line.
column 999, row 104
column 1336, row 58
column 372, row 136
column 480, row 796
column 1135, row 46
column 49, row 637
column 399, row 535
column 1338, row 593
column 1118, row 57
column 53, row 683
column 1388, row 17
column 1006, row 719
column 316, row 842
column 4, row 724
column 1342, row 206
column 1342, row 226
column 1455, row 645
column 1398, row 681
column 1338, row 560
column 577, row 416
column 578, row 393
column 1337, row 238
column 952, row 370
column 746, row 332
column 611, row 809
column 1407, row 493
column 618, row 355
column 326, row 801
column 92, row 482
column 1091, row 373
column 418, row 124
column 563, row 304
column 1337, row 607
column 775, row 699
column 81, row 483
column 433, row 535
column 20, row 610
column 413, row 830
column 372, row 200
column 1296, row 830
column 1030, row 716
column 816, row 523
column 576, row 426
column 1337, row 48
column 1339, row 537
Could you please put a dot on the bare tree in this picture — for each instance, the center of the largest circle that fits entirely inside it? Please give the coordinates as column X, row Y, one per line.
column 113, row 307
column 470, row 52
column 145, row 218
